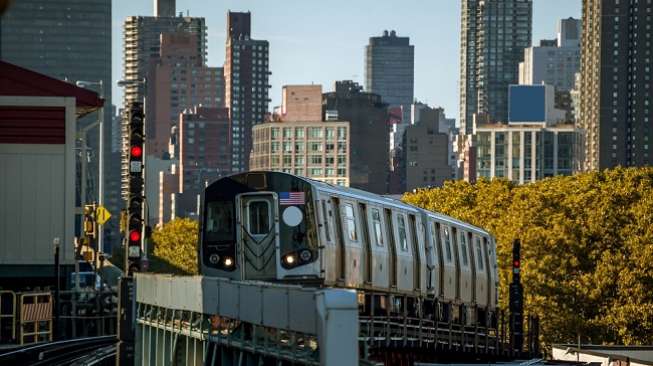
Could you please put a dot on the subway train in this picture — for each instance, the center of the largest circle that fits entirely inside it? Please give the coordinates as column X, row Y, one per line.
column 277, row 227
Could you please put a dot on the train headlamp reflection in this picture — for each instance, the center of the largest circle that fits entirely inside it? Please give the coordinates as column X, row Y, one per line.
column 228, row 262
column 290, row 259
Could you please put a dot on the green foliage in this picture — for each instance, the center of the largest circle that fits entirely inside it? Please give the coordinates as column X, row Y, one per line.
column 587, row 248
column 175, row 244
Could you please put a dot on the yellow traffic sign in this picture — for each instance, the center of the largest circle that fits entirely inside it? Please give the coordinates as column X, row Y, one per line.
column 102, row 215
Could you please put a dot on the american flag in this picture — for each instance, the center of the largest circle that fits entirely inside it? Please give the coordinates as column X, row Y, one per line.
column 291, row 198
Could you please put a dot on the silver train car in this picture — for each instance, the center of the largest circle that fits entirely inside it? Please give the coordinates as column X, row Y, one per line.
column 273, row 226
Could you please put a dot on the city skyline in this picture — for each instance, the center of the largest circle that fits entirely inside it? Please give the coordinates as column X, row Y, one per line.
column 436, row 63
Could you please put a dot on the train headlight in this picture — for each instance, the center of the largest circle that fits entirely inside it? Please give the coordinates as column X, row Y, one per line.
column 214, row 258
column 305, row 255
column 228, row 262
column 290, row 259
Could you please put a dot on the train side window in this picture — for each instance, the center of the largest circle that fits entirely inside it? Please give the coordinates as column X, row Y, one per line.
column 447, row 244
column 463, row 248
column 376, row 223
column 351, row 222
column 401, row 228
column 479, row 254
column 258, row 217
column 325, row 217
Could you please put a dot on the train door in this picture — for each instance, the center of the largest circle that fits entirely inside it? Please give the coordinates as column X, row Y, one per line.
column 465, row 265
column 328, row 251
column 352, row 242
column 417, row 238
column 379, row 247
column 433, row 254
column 340, row 242
column 493, row 272
column 366, row 255
column 406, row 267
column 258, row 235
column 392, row 262
column 449, row 271
column 480, row 275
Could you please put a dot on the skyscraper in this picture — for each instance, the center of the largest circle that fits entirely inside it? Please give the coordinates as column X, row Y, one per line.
column 390, row 70
column 246, row 73
column 368, row 123
column 178, row 80
column 494, row 34
column 142, row 36
column 615, row 99
column 554, row 63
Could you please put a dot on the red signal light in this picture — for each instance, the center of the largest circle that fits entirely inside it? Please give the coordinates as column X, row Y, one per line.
column 136, row 151
column 515, row 264
column 135, row 235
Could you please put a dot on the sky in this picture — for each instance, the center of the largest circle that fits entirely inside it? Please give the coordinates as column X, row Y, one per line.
column 323, row 41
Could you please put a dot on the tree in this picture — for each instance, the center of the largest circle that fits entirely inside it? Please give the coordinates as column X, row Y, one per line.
column 587, row 248
column 175, row 244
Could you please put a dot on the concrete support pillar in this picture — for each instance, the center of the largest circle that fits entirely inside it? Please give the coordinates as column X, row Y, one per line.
column 337, row 327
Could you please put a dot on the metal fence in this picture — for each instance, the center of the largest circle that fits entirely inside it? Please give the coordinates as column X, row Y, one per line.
column 31, row 317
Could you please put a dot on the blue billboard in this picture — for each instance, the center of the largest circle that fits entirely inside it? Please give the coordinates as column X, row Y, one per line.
column 526, row 103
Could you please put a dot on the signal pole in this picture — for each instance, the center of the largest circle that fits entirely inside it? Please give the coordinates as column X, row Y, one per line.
column 516, row 301
column 135, row 232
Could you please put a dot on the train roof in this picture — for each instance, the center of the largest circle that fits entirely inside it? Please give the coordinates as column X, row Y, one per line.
column 380, row 199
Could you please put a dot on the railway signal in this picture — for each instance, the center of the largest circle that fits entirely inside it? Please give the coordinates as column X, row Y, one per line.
column 516, row 299
column 135, row 220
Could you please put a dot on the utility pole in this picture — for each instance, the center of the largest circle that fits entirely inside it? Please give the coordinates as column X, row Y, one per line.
column 100, row 84
column 57, row 276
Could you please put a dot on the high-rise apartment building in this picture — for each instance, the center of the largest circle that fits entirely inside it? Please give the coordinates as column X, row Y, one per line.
column 316, row 149
column 390, row 70
column 426, row 149
column 178, row 80
column 369, row 128
column 298, row 141
column 142, row 44
column 204, row 156
column 67, row 40
column 615, row 101
column 142, row 35
column 246, row 72
column 554, row 63
column 494, row 34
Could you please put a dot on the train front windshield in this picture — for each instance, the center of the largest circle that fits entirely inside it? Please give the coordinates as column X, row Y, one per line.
column 219, row 223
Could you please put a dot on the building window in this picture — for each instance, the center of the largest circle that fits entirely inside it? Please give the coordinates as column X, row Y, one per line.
column 342, row 133
column 316, row 146
column 314, row 133
column 315, row 160
column 287, row 133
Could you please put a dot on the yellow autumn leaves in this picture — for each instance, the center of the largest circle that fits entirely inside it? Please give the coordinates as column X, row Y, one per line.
column 587, row 248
